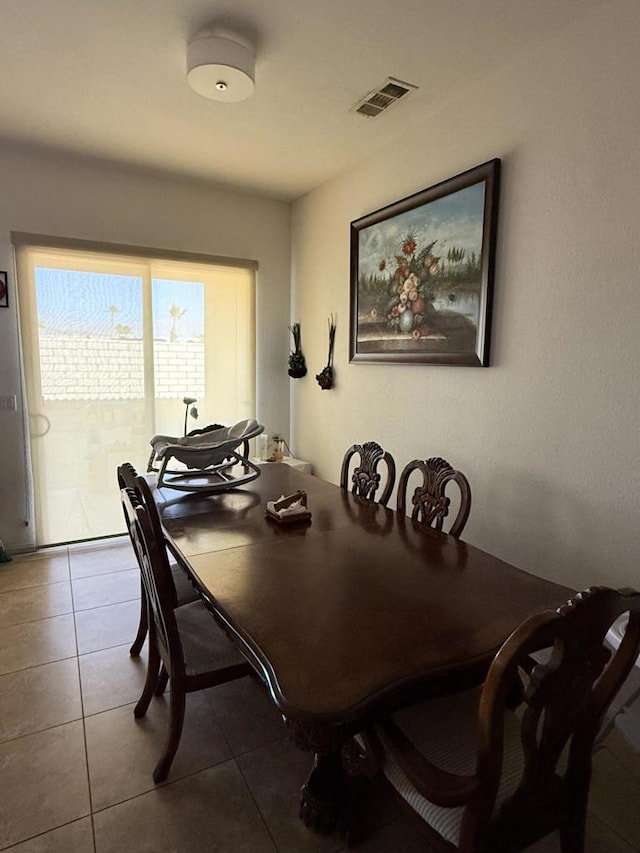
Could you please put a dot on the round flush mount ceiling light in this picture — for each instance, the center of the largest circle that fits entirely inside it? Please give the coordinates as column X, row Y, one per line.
column 220, row 69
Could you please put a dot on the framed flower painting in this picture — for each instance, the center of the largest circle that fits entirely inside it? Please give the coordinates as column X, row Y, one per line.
column 422, row 274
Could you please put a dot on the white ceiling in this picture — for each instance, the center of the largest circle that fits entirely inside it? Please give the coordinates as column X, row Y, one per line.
column 106, row 78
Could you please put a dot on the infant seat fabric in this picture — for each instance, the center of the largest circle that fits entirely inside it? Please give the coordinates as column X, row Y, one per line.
column 211, row 458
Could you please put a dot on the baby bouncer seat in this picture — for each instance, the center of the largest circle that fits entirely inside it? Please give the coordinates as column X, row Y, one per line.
column 213, row 458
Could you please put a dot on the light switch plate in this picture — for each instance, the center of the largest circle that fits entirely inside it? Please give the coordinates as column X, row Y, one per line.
column 8, row 403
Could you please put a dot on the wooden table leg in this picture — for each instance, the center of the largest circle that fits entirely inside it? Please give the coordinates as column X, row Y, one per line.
column 322, row 794
column 336, row 793
column 358, row 772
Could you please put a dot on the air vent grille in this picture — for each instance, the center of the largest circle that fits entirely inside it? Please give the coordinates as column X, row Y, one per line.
column 395, row 90
column 369, row 110
column 380, row 100
column 383, row 97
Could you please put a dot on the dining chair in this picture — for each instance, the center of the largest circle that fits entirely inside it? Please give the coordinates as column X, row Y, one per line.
column 487, row 774
column 622, row 714
column 365, row 479
column 429, row 502
column 185, row 640
column 185, row 590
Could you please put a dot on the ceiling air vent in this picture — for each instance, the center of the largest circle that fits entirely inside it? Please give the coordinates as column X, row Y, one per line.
column 385, row 96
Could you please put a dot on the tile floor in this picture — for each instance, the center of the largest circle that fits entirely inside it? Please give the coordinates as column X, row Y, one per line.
column 75, row 767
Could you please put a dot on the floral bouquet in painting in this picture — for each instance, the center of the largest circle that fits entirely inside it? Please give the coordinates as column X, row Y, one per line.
column 410, row 305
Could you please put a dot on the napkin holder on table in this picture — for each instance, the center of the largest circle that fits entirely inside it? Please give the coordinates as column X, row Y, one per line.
column 289, row 509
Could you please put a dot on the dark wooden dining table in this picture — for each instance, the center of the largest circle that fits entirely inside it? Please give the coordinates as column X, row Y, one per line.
column 349, row 616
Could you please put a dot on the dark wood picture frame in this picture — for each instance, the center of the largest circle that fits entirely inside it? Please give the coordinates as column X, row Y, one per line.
column 4, row 290
column 422, row 273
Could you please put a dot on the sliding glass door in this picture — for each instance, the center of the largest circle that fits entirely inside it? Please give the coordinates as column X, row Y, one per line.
column 112, row 345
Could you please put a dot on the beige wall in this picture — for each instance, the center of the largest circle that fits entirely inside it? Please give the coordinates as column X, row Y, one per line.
column 54, row 195
column 549, row 436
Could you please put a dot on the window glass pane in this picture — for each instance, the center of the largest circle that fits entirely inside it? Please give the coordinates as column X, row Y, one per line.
column 178, row 338
column 111, row 345
column 90, row 329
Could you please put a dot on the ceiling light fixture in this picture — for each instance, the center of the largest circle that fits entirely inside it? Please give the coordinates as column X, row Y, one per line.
column 221, row 69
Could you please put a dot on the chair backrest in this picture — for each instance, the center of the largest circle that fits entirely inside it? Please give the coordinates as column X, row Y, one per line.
column 563, row 700
column 127, row 476
column 365, row 479
column 145, row 530
column 128, row 479
column 429, row 502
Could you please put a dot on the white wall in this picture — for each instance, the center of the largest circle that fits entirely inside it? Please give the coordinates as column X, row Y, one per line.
column 56, row 195
column 549, row 435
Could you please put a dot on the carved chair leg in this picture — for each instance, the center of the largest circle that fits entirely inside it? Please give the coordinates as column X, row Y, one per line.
column 153, row 667
column 135, row 649
column 571, row 840
column 163, row 678
column 573, row 829
column 177, row 706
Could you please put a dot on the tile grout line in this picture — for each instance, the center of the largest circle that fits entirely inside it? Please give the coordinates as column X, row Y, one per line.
column 103, row 574
column 39, row 619
column 82, row 710
column 42, row 619
column 256, row 804
column 85, row 715
column 40, row 731
column 36, row 665
column 50, row 728
column 42, row 834
column 635, row 846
